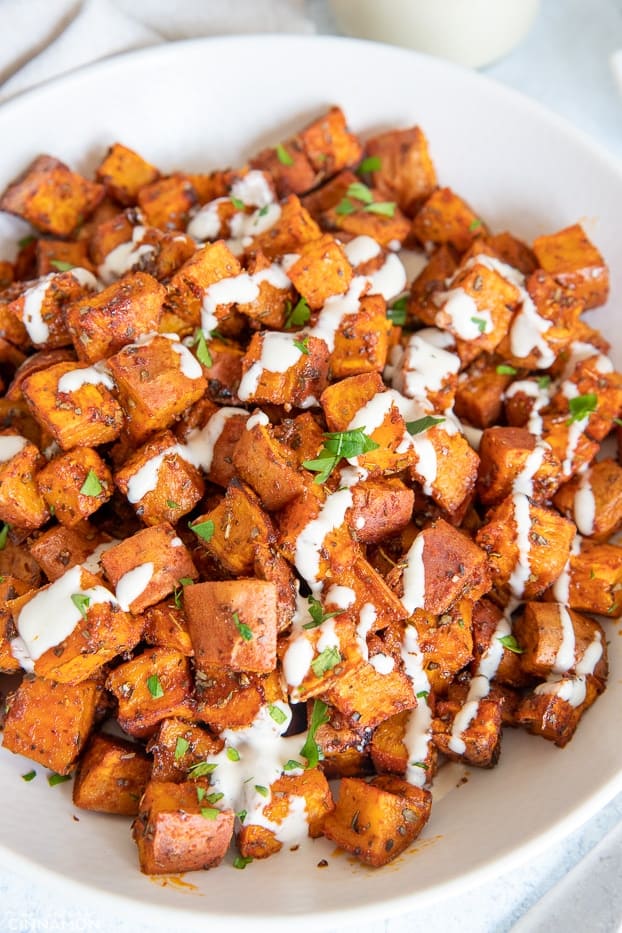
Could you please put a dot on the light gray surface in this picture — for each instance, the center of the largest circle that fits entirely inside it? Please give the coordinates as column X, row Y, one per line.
column 564, row 63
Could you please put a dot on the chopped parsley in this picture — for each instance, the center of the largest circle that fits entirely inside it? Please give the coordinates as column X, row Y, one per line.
column 170, row 504
column 277, row 714
column 210, row 813
column 360, row 192
column 203, row 354
column 177, row 592
column 81, row 602
column 543, row 382
column 262, row 790
column 4, row 534
column 581, row 407
column 370, row 164
column 214, row 798
column 504, row 369
column 29, row 776
column 292, row 765
column 302, row 345
column 181, row 747
column 509, row 642
column 239, row 205
column 242, row 815
column 317, row 613
column 61, row 266
column 241, row 861
column 384, row 208
column 423, row 694
column 26, row 241
column 91, row 485
column 419, row 764
column 242, row 628
column 298, row 315
column 155, row 687
column 54, row 779
column 233, row 754
column 422, row 424
column 398, row 311
column 203, row 530
column 337, row 445
column 310, row 749
column 475, row 225
column 325, row 661
column 283, row 155
column 201, row 769
column 481, row 324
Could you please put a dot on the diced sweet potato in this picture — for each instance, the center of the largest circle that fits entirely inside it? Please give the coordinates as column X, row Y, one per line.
column 367, row 697
column 212, row 434
column 267, row 466
column 328, row 143
column 265, row 379
column 147, row 566
column 321, row 271
column 595, row 579
column 390, row 754
column 43, row 304
column 430, row 282
column 51, row 197
column 102, row 324
column 188, row 286
column 289, row 167
column 551, row 715
column 50, row 722
column 172, row 833
column 480, row 392
column 60, row 548
column 479, row 743
column 75, row 485
column 166, row 625
column 362, row 340
column 240, row 525
column 111, row 776
column 380, row 509
column 10, row 588
column 593, row 500
column 541, row 632
column 233, row 624
column 375, row 824
column 226, row 699
column 370, row 216
column 293, row 229
column 167, row 202
column 446, row 218
column 51, row 253
column 21, row 503
column 123, row 173
column 511, row 460
column 569, row 443
column 153, row 686
column 405, row 172
column 576, row 264
column 485, row 620
column 588, row 378
column 176, row 746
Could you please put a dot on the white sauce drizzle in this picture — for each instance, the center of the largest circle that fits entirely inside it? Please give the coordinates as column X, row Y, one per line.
column 584, row 506
column 362, row 249
column 382, row 663
column 311, row 538
column 564, row 659
column 522, row 570
column 37, row 329
column 367, row 617
column 414, row 576
column 523, row 482
column 464, row 314
column 259, row 417
column 125, row 256
column 133, row 584
column 340, row 597
column 278, row 354
column 93, row 561
column 189, row 365
column 561, row 587
column 10, row 446
column 418, row 727
column 253, row 189
column 87, row 375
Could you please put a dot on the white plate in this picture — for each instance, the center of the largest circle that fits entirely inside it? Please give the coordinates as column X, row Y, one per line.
column 209, row 103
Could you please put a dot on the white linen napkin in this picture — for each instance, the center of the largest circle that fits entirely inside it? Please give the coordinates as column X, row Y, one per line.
column 40, row 39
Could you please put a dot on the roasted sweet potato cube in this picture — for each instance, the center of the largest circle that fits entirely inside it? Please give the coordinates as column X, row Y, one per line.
column 211, row 434
column 593, row 500
column 123, row 173
column 153, row 686
column 6, row 273
column 480, row 393
column 451, row 489
column 552, row 636
column 512, row 461
column 111, row 776
column 51, row 197
column 159, row 482
column 443, row 565
column 59, row 548
column 233, row 623
column 165, row 625
column 362, row 340
column 348, row 565
column 226, row 699
column 569, row 443
column 479, row 741
column 446, row 218
column 426, row 372
column 553, row 710
column 527, row 545
column 268, row 466
column 367, row 697
column 390, row 754
column 21, row 502
column 375, row 824
column 275, row 300
column 223, row 376
column 85, row 415
column 576, row 264
column 11, row 328
column 54, row 253
column 446, row 642
column 486, row 617
column 271, row 566
column 289, row 167
column 188, row 287
column 328, row 143
column 302, row 435
column 292, row 230
column 107, row 236
column 312, row 665
column 147, row 566
column 156, row 381
column 173, row 835
column 281, row 369
column 176, row 746
column 512, row 251
column 386, row 224
column 380, row 509
column 594, row 580
column 101, row 324
column 10, row 588
column 50, row 722
column 590, row 377
column 430, row 282
column 405, row 171
column 75, row 485
column 240, row 525
column 476, row 310
column 335, row 737
column 166, row 203
column 94, row 628
column 257, row 841
column 321, row 271
column 42, row 306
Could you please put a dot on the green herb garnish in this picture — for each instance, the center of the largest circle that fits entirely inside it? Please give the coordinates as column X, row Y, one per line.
column 581, row 406
column 298, row 315
column 239, row 205
column 302, row 345
column 26, row 241
column 241, row 861
column 155, row 687
column 504, row 369
column 242, row 628
column 29, row 776
column 201, row 769
column 91, row 485
column 370, row 164
column 62, row 266
column 481, row 324
column 316, row 611
column 262, row 790
column 233, row 754
column 203, row 530
column 384, row 208
column 337, row 445
column 242, row 815
column 54, row 779
column 81, row 602
column 4, row 534
column 475, row 225
column 543, row 382
column 181, row 747
column 292, row 765
column 210, row 813
column 170, row 504
column 422, row 424
column 203, row 354
column 325, row 661
column 310, row 749
column 423, row 694
column 277, row 714
column 214, row 798
column 283, row 155
column 509, row 642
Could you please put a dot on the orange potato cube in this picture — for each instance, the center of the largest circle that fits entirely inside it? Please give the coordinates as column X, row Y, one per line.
column 240, row 527
column 304, row 377
column 574, row 452
column 159, row 482
column 152, row 561
column 50, row 722
column 362, row 340
column 595, row 579
column 507, row 457
column 328, row 143
column 10, row 588
column 268, row 466
column 207, row 266
column 156, row 382
column 288, row 166
column 553, row 717
column 232, row 623
column 593, row 500
column 101, row 324
column 75, row 485
column 540, row 633
column 153, row 686
column 51, row 252
column 42, row 306
column 380, row 509
column 377, row 824
column 167, row 202
column 430, row 282
column 166, row 625
column 481, row 738
column 292, row 230
column 21, row 503
column 60, row 548
column 123, row 173
column 446, row 218
column 366, row 697
column 480, row 393
column 213, row 433
column 173, row 835
column 88, row 415
column 321, row 271
column 51, row 197
column 226, row 699
column 575, row 263
column 389, row 753
column 388, row 226
column 406, row 172
column 589, row 379
column 111, row 776
column 273, row 304
column 177, row 746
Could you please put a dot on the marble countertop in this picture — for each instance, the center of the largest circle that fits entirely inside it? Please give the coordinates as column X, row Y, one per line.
column 565, row 64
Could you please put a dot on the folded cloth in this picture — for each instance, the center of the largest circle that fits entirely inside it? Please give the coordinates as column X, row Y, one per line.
column 40, row 39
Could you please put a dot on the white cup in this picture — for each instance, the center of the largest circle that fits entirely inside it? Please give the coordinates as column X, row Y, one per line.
column 470, row 32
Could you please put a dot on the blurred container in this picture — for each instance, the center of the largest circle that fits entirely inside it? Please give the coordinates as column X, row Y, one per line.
column 470, row 32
